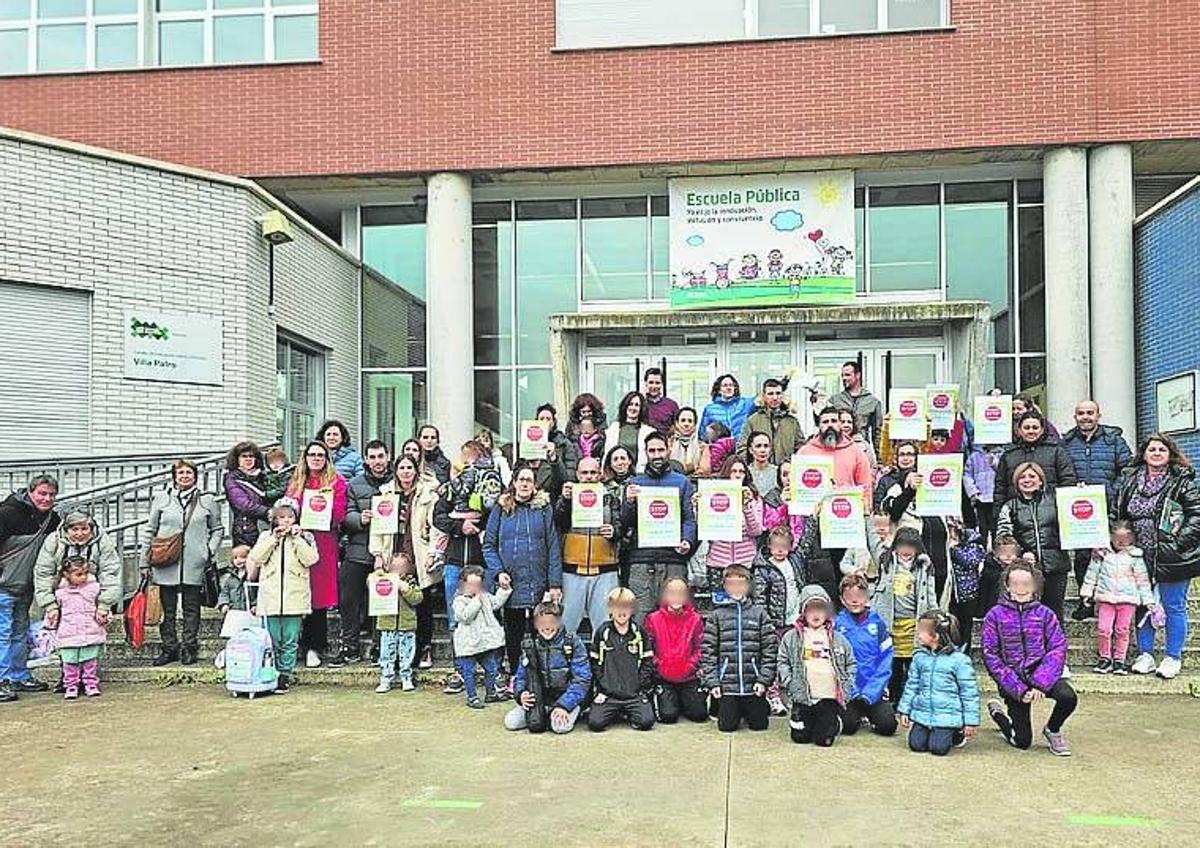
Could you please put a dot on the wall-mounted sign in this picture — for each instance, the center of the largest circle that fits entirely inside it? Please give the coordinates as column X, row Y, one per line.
column 1175, row 403
column 173, row 347
column 762, row 240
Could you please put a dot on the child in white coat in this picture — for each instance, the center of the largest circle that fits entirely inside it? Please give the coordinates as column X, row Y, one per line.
column 479, row 634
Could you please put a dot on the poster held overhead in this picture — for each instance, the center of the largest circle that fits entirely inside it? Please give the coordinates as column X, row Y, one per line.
column 993, row 420
column 906, row 415
column 535, row 440
column 942, row 403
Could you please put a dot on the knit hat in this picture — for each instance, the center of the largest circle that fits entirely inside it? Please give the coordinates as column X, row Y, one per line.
column 76, row 516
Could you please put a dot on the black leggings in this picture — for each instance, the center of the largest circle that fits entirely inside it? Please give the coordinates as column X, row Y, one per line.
column 899, row 678
column 1017, row 726
column 430, row 598
column 818, row 723
column 682, row 699
column 516, row 625
column 314, row 633
column 1054, row 592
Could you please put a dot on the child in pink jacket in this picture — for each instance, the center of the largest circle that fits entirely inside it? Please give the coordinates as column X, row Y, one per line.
column 80, row 635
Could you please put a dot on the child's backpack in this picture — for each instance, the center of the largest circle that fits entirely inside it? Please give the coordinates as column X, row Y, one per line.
column 488, row 488
column 250, row 663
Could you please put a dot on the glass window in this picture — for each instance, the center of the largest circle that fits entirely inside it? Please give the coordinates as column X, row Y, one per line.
column 238, row 38
column 860, row 236
column 1029, row 191
column 1004, row 371
column 295, row 37
column 660, row 261
column 905, row 238
column 395, row 405
column 299, row 396
column 62, row 48
column 755, row 355
column 978, row 255
column 493, row 288
column 913, row 14
column 1033, row 373
column 115, row 7
column 181, row 5
column 849, row 16
column 237, row 4
column 1031, row 292
column 14, row 10
column 293, row 2
column 547, row 253
column 393, row 243
column 614, row 248
column 394, row 325
column 535, row 386
column 14, row 51
column 117, row 46
column 782, row 17
column 181, row 43
column 494, row 403
column 62, row 8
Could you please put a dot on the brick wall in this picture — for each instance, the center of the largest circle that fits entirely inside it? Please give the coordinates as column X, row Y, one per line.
column 459, row 84
column 1167, row 255
column 136, row 235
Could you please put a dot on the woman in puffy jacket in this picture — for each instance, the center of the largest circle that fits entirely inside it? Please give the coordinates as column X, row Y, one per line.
column 522, row 542
column 727, row 407
column 334, row 435
column 1034, row 444
column 1031, row 517
column 245, row 489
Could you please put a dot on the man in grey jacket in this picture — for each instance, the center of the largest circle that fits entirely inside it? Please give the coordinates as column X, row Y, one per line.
column 356, row 565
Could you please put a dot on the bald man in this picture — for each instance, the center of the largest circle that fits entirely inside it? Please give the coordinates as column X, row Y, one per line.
column 591, row 560
column 1098, row 452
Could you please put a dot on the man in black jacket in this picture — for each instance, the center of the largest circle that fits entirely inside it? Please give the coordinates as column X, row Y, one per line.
column 464, row 546
column 357, row 562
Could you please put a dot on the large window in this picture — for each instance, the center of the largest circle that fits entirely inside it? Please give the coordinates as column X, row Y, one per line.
column 903, row 238
column 48, row 36
column 624, row 23
column 299, row 394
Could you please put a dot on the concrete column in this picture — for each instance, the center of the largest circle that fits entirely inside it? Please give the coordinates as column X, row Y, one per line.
column 1068, row 369
column 450, row 309
column 1110, row 221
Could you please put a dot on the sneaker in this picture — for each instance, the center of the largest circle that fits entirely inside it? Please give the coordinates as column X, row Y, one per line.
column 312, row 659
column 1083, row 612
column 60, row 688
column 1144, row 664
column 1168, row 669
column 999, row 715
column 426, row 660
column 407, row 685
column 1119, row 669
column 475, row 703
column 495, row 696
column 1103, row 666
column 777, row 707
column 31, row 685
column 960, row 739
column 7, row 693
column 165, row 658
column 384, row 687
column 454, row 685
column 282, row 685
column 187, row 656
column 92, row 691
column 1057, row 742
column 336, row 661
column 70, row 693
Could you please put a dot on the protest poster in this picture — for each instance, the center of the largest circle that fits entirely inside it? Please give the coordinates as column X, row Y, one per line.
column 316, row 509
column 385, row 510
column 942, row 403
column 383, row 595
column 587, row 506
column 940, row 492
column 535, row 440
column 993, row 420
column 811, row 480
column 1082, row 517
column 660, row 520
column 719, row 515
column 906, row 418
column 842, row 520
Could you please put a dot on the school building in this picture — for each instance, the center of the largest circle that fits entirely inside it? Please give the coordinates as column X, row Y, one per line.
column 551, row 195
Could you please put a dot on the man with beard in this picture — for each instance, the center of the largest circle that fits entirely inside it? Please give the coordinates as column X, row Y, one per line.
column 850, row 465
column 649, row 567
column 356, row 566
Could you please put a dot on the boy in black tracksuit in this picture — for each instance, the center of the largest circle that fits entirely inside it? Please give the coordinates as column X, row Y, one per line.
column 622, row 668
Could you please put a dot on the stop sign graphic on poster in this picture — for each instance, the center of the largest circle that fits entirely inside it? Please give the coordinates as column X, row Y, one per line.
column 317, row 503
column 940, row 477
column 719, row 502
column 659, row 509
column 1082, row 510
column 812, row 478
column 841, row 507
column 842, row 524
column 940, row 491
column 993, row 413
column 1082, row 517
column 588, row 498
column 659, row 517
column 385, row 508
column 908, row 408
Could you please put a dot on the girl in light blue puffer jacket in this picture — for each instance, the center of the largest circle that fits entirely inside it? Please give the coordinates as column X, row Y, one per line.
column 941, row 697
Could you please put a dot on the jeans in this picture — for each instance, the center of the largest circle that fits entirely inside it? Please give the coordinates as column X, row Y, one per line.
column 14, row 634
column 586, row 596
column 190, row 598
column 396, row 651
column 645, row 581
column 1173, row 597
column 1113, row 618
column 352, row 603
column 285, row 637
column 936, row 740
column 466, row 669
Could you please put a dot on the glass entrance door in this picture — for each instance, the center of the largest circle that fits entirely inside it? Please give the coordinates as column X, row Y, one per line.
column 610, row 375
column 906, row 366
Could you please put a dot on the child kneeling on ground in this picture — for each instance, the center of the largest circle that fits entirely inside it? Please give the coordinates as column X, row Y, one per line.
column 478, row 635
column 941, row 698
column 279, row 562
column 398, row 633
column 1025, row 650
column 622, row 667
column 553, row 676
column 817, row 669
column 81, row 636
column 739, row 656
column 872, row 645
column 676, row 631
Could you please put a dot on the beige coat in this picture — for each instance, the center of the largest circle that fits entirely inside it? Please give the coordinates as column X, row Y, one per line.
column 427, row 540
column 281, row 568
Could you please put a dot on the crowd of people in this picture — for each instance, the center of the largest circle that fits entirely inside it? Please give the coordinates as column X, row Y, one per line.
column 834, row 639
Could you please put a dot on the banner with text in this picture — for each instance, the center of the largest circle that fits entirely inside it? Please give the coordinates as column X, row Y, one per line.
column 173, row 347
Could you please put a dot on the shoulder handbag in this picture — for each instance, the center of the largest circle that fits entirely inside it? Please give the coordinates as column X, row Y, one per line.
column 167, row 550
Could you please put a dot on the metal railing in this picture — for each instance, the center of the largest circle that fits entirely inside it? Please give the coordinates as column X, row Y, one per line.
column 76, row 474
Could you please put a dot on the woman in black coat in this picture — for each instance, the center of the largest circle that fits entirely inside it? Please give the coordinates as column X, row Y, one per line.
column 1031, row 517
column 1034, row 445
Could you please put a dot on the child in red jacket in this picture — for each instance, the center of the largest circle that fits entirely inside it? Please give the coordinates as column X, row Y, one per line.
column 677, row 633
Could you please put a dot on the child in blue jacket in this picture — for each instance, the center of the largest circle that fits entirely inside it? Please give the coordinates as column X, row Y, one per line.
column 941, row 697
column 872, row 645
column 553, row 677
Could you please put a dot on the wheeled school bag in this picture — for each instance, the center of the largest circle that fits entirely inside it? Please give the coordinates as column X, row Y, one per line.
column 249, row 659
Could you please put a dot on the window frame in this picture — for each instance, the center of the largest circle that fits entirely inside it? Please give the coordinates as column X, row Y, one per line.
column 268, row 10
column 90, row 21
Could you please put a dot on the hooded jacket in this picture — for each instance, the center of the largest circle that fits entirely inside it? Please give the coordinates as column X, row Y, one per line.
column 872, row 645
column 248, row 506
column 564, row 670
column 1098, row 460
column 622, row 663
column 770, row 585
column 883, row 601
column 77, row 627
column 1024, row 646
column 792, row 654
column 732, row 413
column 850, row 465
column 740, row 648
column 1177, row 555
column 522, row 541
column 1034, row 524
column 282, row 566
column 678, row 642
column 941, row 691
column 23, row 531
column 102, row 557
column 687, row 524
column 1047, row 452
column 780, row 424
column 1118, row 577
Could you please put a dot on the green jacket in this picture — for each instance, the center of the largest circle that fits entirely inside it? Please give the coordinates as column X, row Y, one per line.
column 781, row 425
column 407, row 619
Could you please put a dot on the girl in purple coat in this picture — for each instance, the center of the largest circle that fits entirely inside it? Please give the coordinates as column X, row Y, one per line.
column 80, row 633
column 1025, row 649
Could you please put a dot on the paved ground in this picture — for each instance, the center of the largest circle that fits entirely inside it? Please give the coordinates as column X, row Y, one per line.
column 323, row 766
